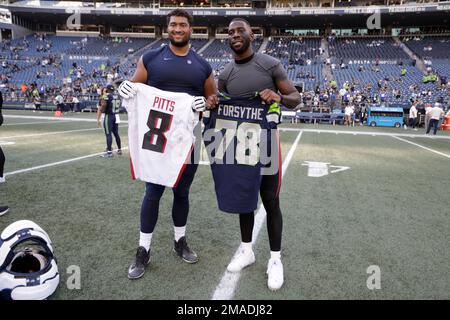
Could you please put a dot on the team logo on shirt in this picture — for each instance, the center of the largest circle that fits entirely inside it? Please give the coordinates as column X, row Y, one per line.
column 189, row 62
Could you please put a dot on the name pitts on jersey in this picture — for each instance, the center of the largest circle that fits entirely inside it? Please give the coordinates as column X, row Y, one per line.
column 164, row 104
column 160, row 134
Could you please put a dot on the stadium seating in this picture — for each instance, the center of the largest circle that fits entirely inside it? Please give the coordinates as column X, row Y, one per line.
column 52, row 62
column 382, row 48
column 432, row 47
column 300, row 57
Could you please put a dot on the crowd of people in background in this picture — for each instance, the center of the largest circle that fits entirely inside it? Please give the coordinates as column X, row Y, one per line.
column 77, row 93
column 78, row 84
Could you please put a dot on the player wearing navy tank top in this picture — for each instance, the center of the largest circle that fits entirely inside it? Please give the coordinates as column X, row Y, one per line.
column 174, row 68
column 171, row 72
column 254, row 72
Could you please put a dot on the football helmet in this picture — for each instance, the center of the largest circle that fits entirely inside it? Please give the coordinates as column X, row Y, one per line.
column 28, row 269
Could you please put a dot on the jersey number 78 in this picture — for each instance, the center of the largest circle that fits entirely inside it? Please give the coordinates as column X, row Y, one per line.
column 248, row 136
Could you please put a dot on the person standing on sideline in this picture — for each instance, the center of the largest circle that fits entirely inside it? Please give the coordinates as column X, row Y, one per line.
column 2, row 155
column 37, row 100
column 435, row 116
column 348, row 115
column 109, row 106
column 3, row 209
column 427, row 115
column 59, row 101
column 270, row 80
column 76, row 104
column 174, row 68
column 413, row 117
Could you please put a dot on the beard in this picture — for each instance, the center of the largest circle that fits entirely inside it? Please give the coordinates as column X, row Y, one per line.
column 179, row 44
column 243, row 48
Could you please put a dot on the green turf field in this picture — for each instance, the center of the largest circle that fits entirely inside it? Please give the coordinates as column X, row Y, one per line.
column 390, row 208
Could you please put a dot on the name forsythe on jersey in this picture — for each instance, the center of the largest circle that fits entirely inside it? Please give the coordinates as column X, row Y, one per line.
column 237, row 111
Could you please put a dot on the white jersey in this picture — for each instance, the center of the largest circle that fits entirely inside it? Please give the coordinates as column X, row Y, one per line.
column 413, row 112
column 436, row 113
column 160, row 134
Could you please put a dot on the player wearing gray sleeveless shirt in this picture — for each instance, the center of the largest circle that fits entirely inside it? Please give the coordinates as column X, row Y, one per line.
column 244, row 79
column 249, row 73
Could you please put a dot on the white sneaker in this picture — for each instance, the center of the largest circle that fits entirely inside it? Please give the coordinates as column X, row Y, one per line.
column 2, row 179
column 275, row 274
column 241, row 260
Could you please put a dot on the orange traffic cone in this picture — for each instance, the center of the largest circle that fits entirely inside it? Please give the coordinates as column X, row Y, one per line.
column 446, row 124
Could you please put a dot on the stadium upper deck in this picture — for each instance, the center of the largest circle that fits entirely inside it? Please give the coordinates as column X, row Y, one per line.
column 307, row 13
column 309, row 52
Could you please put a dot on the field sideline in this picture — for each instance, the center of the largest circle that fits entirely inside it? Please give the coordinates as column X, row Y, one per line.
column 382, row 200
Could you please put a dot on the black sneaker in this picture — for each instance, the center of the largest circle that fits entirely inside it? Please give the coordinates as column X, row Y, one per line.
column 119, row 152
column 3, row 210
column 182, row 250
column 137, row 268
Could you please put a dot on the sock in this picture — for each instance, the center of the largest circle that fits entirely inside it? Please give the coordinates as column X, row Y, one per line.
column 179, row 232
column 145, row 239
column 246, row 246
column 275, row 255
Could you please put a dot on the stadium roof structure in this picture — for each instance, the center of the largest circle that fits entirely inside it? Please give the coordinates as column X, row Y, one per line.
column 401, row 16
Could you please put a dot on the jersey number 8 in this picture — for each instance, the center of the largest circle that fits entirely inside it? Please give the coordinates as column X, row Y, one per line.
column 159, row 123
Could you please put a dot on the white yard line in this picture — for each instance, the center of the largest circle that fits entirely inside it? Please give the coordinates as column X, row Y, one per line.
column 409, row 135
column 56, row 119
column 49, row 133
column 423, row 147
column 227, row 286
column 6, row 143
column 28, row 123
column 55, row 163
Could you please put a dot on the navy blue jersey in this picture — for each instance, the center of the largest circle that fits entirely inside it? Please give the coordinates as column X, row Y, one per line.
column 169, row 72
column 240, row 149
column 112, row 103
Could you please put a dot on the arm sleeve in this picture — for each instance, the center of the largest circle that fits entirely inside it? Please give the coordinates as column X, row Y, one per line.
column 278, row 72
column 221, row 86
column 223, row 79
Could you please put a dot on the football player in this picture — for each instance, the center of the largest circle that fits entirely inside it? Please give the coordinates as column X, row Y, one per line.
column 174, row 68
column 271, row 81
column 109, row 106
